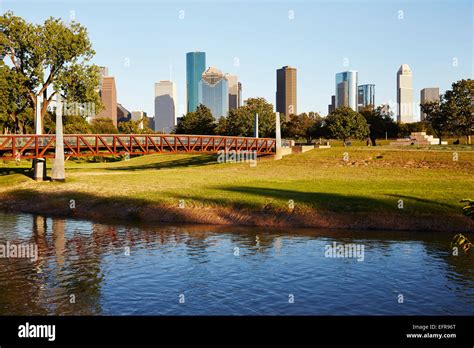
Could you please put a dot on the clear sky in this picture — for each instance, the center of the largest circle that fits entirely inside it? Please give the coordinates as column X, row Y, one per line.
column 143, row 42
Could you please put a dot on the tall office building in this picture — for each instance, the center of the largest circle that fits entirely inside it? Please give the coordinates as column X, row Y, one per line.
column 404, row 94
column 214, row 92
column 108, row 94
column 428, row 95
column 123, row 115
column 286, row 97
column 235, row 90
column 195, row 66
column 332, row 106
column 165, row 106
column 365, row 96
column 346, row 89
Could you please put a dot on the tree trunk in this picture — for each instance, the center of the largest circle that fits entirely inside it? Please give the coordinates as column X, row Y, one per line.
column 468, row 139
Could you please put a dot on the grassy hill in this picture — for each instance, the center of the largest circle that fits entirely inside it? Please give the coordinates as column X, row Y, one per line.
column 318, row 188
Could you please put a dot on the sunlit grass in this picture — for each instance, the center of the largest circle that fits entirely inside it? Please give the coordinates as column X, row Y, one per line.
column 372, row 180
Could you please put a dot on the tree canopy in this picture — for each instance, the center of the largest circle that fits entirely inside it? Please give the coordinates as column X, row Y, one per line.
column 200, row 121
column 380, row 123
column 47, row 59
column 345, row 123
column 454, row 112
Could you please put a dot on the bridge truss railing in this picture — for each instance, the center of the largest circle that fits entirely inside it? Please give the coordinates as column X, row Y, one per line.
column 81, row 145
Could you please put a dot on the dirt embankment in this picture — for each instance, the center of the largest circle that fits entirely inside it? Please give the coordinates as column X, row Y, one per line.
column 103, row 210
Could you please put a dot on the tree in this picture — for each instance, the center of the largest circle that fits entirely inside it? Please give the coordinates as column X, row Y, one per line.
column 199, row 122
column 15, row 105
column 345, row 123
column 437, row 119
column 129, row 127
column 75, row 125
column 103, row 125
column 457, row 105
column 307, row 126
column 50, row 57
column 380, row 123
column 266, row 116
column 241, row 121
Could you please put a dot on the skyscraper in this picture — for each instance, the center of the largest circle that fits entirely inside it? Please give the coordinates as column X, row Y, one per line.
column 214, row 92
column 428, row 95
column 286, row 98
column 165, row 106
column 346, row 89
column 108, row 94
column 195, row 66
column 332, row 106
column 365, row 96
column 123, row 115
column 235, row 89
column 404, row 94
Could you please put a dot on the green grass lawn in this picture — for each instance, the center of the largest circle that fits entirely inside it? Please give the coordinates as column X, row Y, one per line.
column 373, row 180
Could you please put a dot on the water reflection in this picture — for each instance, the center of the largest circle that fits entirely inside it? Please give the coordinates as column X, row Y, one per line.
column 88, row 268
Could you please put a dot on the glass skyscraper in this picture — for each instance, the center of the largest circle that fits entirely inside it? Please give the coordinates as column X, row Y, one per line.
column 346, row 89
column 195, row 66
column 366, row 95
column 213, row 92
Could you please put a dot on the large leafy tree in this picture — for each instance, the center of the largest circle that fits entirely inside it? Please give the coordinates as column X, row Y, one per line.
column 458, row 106
column 76, row 125
column 50, row 58
column 306, row 125
column 102, row 125
column 345, row 123
column 380, row 123
column 15, row 105
column 437, row 119
column 199, row 122
column 241, row 121
column 454, row 112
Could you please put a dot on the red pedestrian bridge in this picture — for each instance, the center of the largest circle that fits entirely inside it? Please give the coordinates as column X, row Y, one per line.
column 83, row 145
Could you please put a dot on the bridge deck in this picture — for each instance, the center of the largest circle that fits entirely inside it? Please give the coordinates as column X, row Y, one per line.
column 81, row 145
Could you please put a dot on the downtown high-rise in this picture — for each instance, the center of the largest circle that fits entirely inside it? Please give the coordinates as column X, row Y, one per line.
column 365, row 96
column 346, row 89
column 195, row 66
column 213, row 92
column 286, row 97
column 428, row 95
column 165, row 106
column 404, row 94
column 235, row 91
column 108, row 95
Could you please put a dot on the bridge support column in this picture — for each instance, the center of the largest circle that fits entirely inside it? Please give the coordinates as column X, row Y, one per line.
column 39, row 164
column 278, row 150
column 255, row 130
column 57, row 172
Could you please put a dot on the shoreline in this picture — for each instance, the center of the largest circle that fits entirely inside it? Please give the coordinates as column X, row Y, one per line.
column 109, row 212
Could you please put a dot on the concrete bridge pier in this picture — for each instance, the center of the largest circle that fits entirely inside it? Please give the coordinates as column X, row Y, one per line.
column 278, row 150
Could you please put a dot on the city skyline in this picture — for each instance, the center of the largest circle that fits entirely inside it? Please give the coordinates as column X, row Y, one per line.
column 137, row 62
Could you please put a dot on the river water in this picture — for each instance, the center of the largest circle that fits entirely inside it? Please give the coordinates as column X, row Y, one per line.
column 91, row 268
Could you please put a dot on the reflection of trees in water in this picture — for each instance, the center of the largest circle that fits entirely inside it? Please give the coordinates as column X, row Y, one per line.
column 70, row 260
column 22, row 281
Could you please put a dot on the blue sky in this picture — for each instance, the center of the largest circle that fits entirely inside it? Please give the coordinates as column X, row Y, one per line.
column 140, row 40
